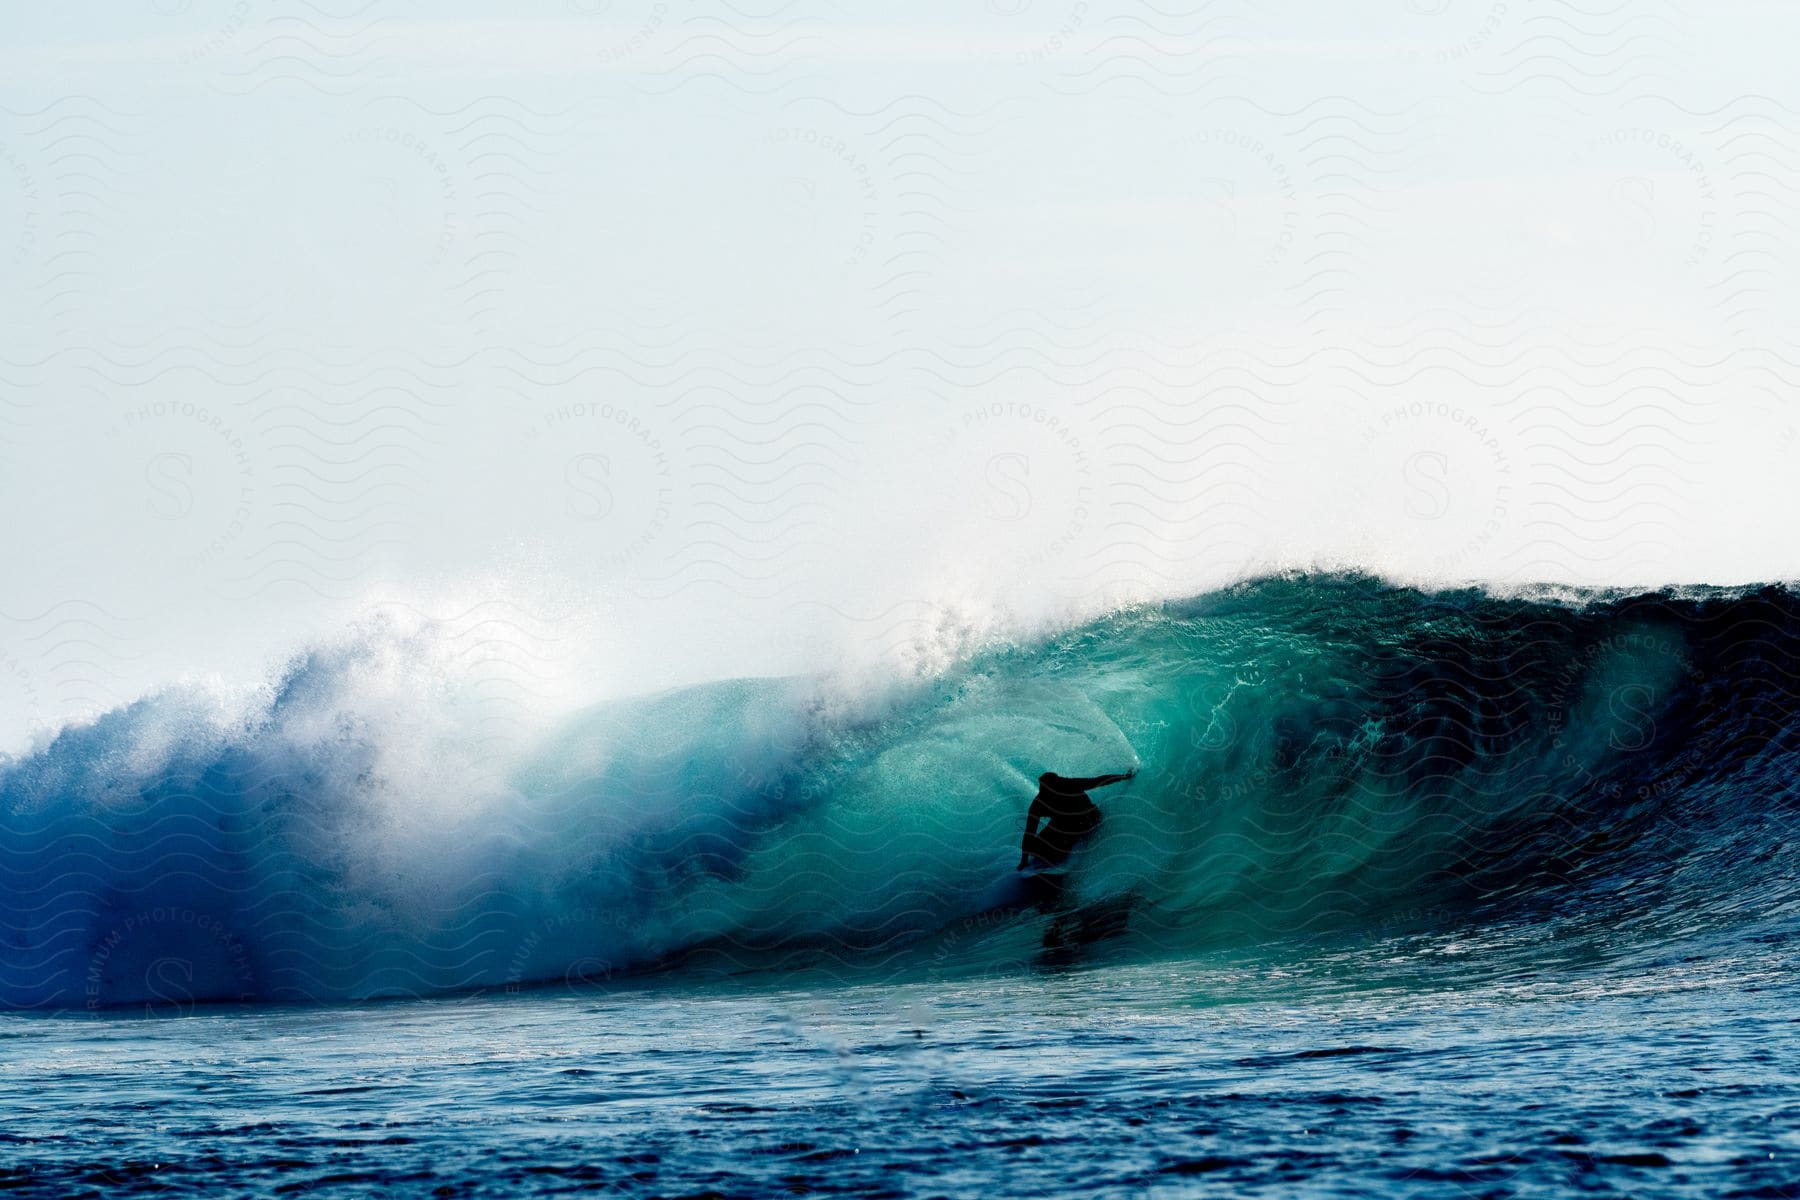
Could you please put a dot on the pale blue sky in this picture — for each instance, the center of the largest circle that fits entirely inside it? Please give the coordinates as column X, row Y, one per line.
column 709, row 340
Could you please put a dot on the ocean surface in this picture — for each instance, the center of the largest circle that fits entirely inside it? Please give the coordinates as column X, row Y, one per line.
column 1447, row 894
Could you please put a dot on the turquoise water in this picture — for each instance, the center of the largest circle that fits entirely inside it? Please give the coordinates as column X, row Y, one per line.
column 1413, row 895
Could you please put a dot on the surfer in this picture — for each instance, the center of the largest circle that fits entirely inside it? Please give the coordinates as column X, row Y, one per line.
column 1070, row 817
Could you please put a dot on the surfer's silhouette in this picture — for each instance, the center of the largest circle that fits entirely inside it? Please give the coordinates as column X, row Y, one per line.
column 1070, row 818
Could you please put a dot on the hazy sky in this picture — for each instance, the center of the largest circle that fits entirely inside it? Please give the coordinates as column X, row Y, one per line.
column 641, row 342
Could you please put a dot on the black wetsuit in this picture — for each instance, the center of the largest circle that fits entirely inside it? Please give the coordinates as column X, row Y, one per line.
column 1071, row 818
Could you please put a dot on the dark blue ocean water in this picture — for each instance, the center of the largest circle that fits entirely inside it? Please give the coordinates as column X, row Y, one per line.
column 1412, row 894
column 1411, row 1066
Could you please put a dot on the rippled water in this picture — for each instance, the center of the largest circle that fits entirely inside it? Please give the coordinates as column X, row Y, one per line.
column 1416, row 896
column 1666, row 1072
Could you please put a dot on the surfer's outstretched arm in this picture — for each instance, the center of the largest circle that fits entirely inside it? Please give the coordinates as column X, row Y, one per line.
column 1099, row 780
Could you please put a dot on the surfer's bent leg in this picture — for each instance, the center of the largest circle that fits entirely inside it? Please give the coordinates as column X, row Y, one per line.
column 1037, row 847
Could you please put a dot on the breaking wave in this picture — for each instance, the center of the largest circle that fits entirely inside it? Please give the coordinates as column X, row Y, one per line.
column 1317, row 752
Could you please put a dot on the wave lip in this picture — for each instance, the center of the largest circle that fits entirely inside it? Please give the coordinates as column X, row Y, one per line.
column 1318, row 752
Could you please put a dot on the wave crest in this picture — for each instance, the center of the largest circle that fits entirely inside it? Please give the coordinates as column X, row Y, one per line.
column 1318, row 752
